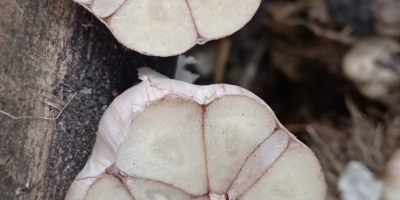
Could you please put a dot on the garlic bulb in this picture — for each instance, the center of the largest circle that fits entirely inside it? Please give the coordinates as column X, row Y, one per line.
column 373, row 65
column 171, row 27
column 167, row 139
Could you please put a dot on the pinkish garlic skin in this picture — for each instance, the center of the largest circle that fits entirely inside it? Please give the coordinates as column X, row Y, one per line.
column 114, row 128
column 197, row 22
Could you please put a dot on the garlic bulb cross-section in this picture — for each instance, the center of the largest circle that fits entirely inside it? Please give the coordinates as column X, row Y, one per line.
column 170, row 27
column 169, row 140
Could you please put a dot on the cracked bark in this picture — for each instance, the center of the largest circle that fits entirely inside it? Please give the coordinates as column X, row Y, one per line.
column 50, row 50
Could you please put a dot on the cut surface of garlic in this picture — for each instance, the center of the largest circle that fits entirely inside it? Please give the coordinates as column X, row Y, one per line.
column 170, row 27
column 169, row 140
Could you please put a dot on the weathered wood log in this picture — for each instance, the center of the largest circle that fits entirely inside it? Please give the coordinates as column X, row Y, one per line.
column 49, row 51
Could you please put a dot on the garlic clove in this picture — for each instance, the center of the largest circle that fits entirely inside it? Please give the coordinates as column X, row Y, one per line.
column 165, row 144
column 296, row 175
column 105, row 8
column 107, row 188
column 233, row 127
column 215, row 19
column 153, row 27
column 258, row 163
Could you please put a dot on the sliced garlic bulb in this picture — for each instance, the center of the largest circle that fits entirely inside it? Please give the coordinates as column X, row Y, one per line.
column 170, row 27
column 169, row 140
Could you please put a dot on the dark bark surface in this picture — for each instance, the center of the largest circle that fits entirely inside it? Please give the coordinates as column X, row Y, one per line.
column 49, row 51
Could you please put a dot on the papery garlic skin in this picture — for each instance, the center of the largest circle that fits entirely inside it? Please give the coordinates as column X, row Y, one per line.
column 276, row 145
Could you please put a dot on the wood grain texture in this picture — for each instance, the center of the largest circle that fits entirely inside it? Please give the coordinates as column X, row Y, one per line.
column 49, row 50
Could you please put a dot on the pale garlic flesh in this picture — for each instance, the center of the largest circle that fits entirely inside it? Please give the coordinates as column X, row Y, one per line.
column 169, row 140
column 170, row 27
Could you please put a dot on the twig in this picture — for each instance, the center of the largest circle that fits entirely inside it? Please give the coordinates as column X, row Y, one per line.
column 342, row 36
column 224, row 48
column 251, row 68
column 45, row 118
column 89, row 24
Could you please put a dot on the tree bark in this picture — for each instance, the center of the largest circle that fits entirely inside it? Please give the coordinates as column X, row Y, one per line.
column 49, row 51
